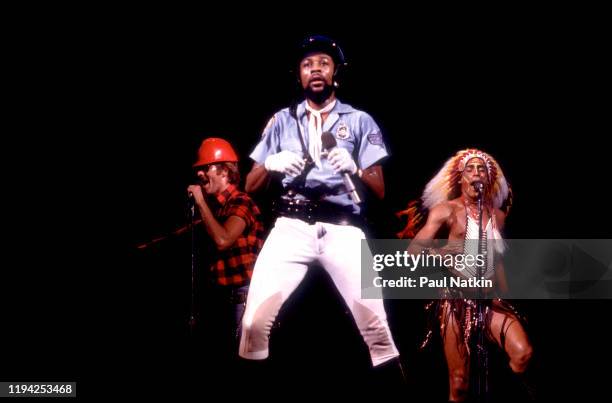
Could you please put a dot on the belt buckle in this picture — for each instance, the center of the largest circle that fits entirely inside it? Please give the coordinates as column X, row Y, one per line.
column 302, row 209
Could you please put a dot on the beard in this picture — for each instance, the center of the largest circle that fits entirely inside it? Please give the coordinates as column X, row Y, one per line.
column 319, row 97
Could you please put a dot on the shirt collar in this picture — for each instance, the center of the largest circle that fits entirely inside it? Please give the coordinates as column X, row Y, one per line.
column 226, row 194
column 339, row 108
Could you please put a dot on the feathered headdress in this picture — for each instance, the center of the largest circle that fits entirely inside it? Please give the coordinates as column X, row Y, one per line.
column 446, row 185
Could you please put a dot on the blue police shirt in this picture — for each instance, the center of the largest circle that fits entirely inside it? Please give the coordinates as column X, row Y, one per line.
column 353, row 129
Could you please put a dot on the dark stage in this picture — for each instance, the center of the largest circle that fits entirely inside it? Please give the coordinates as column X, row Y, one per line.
column 114, row 318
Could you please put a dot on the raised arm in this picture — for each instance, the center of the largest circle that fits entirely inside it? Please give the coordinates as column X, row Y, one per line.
column 224, row 235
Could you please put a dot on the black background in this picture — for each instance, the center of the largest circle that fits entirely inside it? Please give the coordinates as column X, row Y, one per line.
column 116, row 104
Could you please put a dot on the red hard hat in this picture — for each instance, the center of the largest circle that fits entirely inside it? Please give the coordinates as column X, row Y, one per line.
column 215, row 150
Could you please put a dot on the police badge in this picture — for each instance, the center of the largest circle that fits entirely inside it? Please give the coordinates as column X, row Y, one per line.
column 343, row 132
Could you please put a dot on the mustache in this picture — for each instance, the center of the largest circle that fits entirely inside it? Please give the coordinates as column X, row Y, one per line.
column 316, row 78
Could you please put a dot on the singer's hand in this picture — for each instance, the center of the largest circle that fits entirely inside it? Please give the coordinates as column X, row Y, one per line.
column 285, row 162
column 341, row 160
column 196, row 191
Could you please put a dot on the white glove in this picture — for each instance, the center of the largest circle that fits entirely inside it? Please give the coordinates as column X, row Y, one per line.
column 285, row 162
column 341, row 160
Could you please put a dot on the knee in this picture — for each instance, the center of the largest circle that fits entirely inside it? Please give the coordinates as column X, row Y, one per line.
column 254, row 328
column 257, row 323
column 375, row 332
column 380, row 343
column 520, row 357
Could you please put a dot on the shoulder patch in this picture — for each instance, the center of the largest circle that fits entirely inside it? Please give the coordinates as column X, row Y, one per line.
column 375, row 139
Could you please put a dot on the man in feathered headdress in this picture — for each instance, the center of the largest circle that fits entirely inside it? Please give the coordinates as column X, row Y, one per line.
column 451, row 201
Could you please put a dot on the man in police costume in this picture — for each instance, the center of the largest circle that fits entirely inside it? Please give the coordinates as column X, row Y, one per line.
column 319, row 148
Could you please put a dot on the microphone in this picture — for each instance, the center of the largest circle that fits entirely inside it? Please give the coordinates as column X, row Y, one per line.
column 191, row 204
column 329, row 142
column 479, row 186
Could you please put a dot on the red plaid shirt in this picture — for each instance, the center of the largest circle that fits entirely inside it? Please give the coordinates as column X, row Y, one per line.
column 234, row 266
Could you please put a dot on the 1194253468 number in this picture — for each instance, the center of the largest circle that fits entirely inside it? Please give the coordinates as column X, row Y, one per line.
column 36, row 389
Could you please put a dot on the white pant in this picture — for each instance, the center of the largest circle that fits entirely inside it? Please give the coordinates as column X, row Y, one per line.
column 281, row 266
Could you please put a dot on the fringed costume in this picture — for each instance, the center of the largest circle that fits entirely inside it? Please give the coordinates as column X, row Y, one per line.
column 445, row 186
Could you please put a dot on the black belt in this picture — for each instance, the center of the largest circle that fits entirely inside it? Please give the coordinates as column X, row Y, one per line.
column 312, row 211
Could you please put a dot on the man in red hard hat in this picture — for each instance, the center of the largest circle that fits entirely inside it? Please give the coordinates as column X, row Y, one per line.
column 234, row 225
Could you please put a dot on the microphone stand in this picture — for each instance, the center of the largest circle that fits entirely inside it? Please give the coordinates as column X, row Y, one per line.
column 179, row 231
column 482, row 384
column 176, row 232
column 192, row 320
